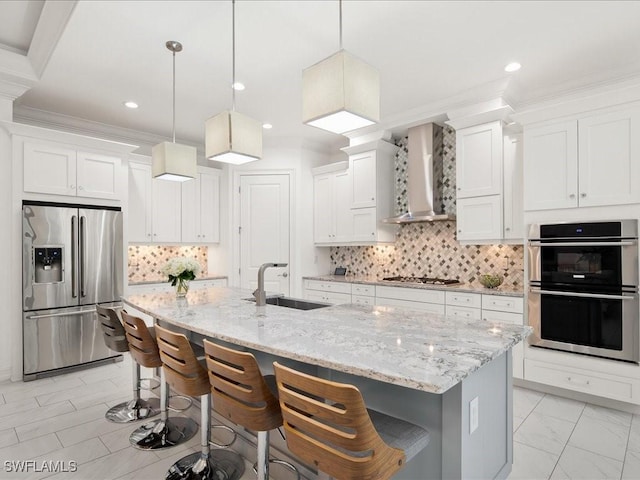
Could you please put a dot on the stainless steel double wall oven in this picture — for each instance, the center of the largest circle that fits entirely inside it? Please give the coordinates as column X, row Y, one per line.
column 583, row 288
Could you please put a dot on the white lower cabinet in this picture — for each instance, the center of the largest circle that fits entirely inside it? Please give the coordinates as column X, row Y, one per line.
column 363, row 294
column 503, row 309
column 431, row 301
column 327, row 292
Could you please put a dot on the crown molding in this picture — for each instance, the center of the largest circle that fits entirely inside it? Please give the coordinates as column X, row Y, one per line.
column 16, row 74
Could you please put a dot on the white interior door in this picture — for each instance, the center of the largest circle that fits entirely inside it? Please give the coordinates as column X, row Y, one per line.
column 264, row 230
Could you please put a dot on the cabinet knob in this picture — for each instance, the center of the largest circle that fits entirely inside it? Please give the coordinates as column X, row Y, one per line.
column 80, row 187
column 459, row 231
column 203, row 235
column 373, row 234
column 72, row 186
column 583, row 195
column 459, row 188
column 373, row 198
column 573, row 195
column 508, row 229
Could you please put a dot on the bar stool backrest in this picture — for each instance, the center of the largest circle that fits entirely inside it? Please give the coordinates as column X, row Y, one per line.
column 182, row 369
column 327, row 425
column 239, row 390
column 142, row 343
column 112, row 330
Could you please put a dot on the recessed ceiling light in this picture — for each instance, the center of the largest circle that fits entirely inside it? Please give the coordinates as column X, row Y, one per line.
column 512, row 67
column 238, row 86
column 131, row 104
column 267, row 126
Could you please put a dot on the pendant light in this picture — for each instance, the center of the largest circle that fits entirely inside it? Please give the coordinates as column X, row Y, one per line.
column 340, row 93
column 170, row 160
column 231, row 137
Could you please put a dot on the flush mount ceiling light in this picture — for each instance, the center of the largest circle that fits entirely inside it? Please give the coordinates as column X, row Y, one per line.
column 170, row 160
column 512, row 67
column 231, row 137
column 341, row 93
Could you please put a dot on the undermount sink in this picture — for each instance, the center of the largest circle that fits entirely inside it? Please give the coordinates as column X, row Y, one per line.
column 293, row 303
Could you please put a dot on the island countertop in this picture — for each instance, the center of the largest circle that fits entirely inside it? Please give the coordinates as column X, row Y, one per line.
column 415, row 349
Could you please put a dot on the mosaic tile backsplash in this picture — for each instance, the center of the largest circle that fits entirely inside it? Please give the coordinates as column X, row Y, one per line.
column 431, row 250
column 145, row 261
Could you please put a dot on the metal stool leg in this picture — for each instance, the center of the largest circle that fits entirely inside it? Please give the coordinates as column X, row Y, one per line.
column 261, row 467
column 208, row 464
column 136, row 409
column 165, row 432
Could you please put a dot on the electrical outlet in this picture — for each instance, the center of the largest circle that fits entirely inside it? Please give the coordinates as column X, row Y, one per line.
column 473, row 415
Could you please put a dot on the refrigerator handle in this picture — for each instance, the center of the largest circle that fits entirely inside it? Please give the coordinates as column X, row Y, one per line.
column 74, row 256
column 83, row 252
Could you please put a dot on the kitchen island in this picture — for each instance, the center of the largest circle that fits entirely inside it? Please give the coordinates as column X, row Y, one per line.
column 448, row 375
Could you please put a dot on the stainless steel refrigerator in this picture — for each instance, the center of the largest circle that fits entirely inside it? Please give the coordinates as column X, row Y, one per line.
column 72, row 260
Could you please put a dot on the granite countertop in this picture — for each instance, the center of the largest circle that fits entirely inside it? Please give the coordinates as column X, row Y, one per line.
column 426, row 352
column 505, row 290
column 200, row 279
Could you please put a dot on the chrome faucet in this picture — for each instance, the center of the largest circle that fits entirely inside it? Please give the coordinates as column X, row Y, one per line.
column 259, row 293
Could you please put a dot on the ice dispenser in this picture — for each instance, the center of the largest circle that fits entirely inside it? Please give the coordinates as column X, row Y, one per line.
column 47, row 264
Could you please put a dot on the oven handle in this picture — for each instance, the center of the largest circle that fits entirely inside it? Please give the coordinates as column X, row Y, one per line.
column 623, row 243
column 584, row 295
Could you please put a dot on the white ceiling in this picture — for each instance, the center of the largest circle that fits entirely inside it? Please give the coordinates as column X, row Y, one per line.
column 426, row 52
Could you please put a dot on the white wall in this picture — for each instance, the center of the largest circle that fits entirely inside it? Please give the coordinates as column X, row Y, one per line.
column 10, row 285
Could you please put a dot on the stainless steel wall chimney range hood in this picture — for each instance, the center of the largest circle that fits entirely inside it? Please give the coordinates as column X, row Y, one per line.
column 424, row 179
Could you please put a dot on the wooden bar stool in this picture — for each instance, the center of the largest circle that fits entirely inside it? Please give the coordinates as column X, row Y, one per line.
column 115, row 339
column 243, row 395
column 167, row 431
column 328, row 425
column 187, row 376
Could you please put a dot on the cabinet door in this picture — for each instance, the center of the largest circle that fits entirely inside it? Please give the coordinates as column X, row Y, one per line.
column 97, row 176
column 479, row 160
column 512, row 197
column 363, row 174
column 209, row 208
column 479, row 218
column 191, row 210
column 364, row 224
column 341, row 205
column 49, row 169
column 609, row 163
column 323, row 208
column 166, row 208
column 139, row 203
column 551, row 166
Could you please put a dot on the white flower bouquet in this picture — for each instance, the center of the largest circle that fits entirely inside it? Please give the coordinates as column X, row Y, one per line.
column 180, row 269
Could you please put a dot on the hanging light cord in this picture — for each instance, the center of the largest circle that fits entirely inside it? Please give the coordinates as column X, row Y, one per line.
column 233, row 55
column 174, row 96
column 340, row 24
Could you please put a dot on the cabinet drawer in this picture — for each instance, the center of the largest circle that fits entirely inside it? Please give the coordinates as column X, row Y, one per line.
column 327, row 297
column 580, row 381
column 366, row 290
column 412, row 294
column 506, row 317
column 423, row 306
column 362, row 300
column 463, row 312
column 328, row 286
column 502, row 303
column 464, row 299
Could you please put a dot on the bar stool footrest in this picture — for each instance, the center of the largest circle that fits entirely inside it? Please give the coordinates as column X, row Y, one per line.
column 224, row 445
column 284, row 463
column 161, row 434
column 189, row 401
column 133, row 410
column 220, row 465
column 154, row 384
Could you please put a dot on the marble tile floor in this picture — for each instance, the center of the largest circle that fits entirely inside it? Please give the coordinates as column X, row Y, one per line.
column 62, row 419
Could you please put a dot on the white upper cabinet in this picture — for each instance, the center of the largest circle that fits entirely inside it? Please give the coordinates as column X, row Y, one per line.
column 363, row 175
column 60, row 170
column 479, row 160
column 593, row 160
column 154, row 207
column 513, row 210
column 201, row 208
column 479, row 218
column 551, row 166
column 332, row 200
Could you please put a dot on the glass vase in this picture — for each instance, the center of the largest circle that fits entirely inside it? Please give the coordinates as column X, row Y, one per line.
column 182, row 288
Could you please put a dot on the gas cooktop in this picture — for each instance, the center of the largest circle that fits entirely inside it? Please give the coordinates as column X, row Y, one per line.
column 424, row 280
